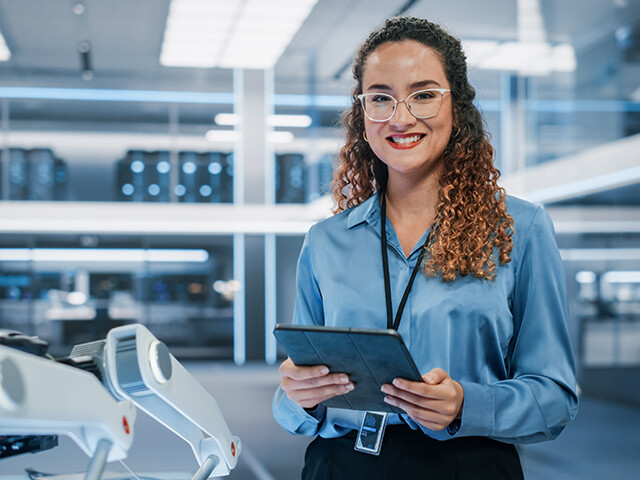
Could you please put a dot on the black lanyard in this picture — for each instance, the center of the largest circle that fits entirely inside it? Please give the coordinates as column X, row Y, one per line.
column 385, row 266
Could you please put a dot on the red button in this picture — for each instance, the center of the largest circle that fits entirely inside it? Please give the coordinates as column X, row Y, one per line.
column 233, row 449
column 125, row 424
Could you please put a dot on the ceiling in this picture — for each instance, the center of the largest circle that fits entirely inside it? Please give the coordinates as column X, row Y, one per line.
column 126, row 37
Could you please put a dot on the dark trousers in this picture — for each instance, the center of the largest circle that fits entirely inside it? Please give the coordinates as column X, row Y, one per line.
column 407, row 454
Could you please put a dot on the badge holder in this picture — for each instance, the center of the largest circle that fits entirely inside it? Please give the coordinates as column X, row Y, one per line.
column 371, row 432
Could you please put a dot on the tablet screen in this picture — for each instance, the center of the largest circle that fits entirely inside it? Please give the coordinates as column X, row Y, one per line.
column 371, row 357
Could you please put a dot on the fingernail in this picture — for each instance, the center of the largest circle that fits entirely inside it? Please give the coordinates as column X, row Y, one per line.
column 349, row 387
column 385, row 388
column 388, row 400
column 324, row 371
column 396, row 382
column 344, row 379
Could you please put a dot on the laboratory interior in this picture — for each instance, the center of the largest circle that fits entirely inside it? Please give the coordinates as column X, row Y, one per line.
column 161, row 162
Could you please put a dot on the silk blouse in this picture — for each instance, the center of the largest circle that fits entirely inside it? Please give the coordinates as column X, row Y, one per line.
column 505, row 340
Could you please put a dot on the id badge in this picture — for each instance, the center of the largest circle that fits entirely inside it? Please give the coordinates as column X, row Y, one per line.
column 371, row 431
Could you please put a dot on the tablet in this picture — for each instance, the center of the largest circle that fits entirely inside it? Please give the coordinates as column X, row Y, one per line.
column 371, row 357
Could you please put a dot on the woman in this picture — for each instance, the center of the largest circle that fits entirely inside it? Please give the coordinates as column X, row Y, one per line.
column 485, row 318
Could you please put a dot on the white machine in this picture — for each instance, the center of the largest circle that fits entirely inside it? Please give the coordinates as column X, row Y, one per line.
column 42, row 397
column 131, row 367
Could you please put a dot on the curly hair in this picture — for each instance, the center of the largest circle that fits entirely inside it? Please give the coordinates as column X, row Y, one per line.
column 473, row 226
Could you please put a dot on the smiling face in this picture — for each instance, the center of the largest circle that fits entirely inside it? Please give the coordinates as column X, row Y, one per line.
column 407, row 145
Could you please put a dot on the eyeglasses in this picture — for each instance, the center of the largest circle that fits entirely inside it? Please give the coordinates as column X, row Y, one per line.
column 380, row 107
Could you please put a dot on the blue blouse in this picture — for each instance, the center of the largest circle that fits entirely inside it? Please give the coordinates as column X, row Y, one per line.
column 505, row 340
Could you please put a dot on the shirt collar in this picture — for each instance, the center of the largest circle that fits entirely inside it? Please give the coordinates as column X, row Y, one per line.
column 367, row 211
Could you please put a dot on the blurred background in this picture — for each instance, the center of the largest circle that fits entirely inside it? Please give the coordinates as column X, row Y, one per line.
column 161, row 161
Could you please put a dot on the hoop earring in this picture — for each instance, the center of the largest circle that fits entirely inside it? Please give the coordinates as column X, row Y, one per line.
column 455, row 131
column 364, row 135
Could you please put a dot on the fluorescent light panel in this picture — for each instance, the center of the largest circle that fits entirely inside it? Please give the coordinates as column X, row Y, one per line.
column 231, row 34
column 233, row 119
column 586, row 276
column 599, row 254
column 5, row 54
column 102, row 255
column 622, row 277
column 225, row 136
column 531, row 58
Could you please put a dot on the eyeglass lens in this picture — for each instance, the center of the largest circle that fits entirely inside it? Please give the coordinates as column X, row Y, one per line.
column 422, row 104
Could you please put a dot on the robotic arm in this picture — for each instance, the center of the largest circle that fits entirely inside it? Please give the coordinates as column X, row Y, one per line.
column 42, row 397
column 92, row 394
column 136, row 366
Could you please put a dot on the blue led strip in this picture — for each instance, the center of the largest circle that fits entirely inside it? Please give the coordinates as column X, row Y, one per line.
column 328, row 101
column 107, row 95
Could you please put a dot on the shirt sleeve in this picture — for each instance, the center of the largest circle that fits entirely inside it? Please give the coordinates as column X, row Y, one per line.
column 308, row 310
column 538, row 399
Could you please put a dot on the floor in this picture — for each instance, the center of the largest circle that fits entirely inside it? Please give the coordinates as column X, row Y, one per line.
column 602, row 443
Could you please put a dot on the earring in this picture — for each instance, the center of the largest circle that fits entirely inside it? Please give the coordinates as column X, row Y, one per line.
column 455, row 131
column 364, row 135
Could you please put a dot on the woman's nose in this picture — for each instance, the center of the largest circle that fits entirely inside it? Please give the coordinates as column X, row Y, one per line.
column 402, row 115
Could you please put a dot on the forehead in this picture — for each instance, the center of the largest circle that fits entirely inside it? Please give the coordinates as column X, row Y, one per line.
column 405, row 62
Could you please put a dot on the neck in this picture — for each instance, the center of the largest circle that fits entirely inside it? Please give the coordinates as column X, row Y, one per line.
column 411, row 200
column 411, row 207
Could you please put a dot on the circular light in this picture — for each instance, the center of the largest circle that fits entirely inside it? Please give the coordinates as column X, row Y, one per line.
column 163, row 167
column 206, row 190
column 153, row 189
column 127, row 189
column 189, row 168
column 215, row 168
column 180, row 190
column 78, row 9
column 137, row 166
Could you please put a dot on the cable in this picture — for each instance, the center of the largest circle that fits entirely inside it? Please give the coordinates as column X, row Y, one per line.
column 130, row 470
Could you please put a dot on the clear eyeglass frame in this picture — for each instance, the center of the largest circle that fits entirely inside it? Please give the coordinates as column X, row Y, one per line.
column 362, row 97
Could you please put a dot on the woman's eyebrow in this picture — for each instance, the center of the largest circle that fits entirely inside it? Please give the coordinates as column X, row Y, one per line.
column 424, row 83
column 413, row 86
column 379, row 86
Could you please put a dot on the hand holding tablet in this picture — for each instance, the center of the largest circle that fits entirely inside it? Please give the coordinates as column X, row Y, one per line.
column 369, row 357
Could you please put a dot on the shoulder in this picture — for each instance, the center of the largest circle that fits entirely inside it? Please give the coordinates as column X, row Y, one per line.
column 340, row 223
column 522, row 212
column 528, row 219
column 330, row 226
column 532, row 227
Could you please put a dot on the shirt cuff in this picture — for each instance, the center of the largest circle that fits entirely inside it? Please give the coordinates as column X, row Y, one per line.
column 477, row 411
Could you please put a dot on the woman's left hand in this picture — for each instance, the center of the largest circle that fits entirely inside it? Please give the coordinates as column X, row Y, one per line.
column 434, row 403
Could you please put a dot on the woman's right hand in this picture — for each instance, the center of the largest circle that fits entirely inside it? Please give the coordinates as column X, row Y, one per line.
column 309, row 386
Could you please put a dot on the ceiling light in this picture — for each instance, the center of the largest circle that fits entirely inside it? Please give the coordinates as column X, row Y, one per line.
column 280, row 137
column 5, row 54
column 622, row 277
column 529, row 58
column 301, row 121
column 586, row 276
column 227, row 119
column 231, row 34
column 102, row 255
column 233, row 119
column 222, row 135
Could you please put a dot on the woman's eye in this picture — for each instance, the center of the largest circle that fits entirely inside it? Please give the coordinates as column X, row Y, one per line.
column 424, row 96
column 380, row 98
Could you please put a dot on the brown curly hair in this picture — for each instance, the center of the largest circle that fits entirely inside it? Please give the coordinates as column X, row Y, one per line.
column 471, row 216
